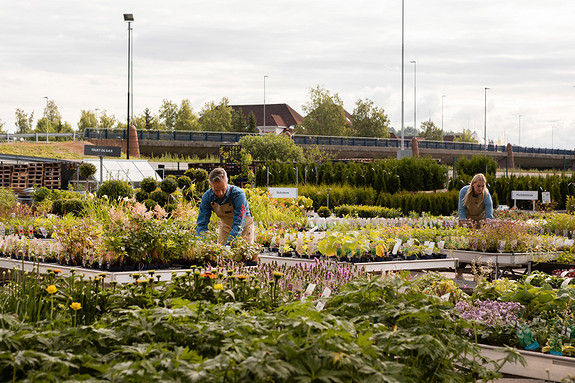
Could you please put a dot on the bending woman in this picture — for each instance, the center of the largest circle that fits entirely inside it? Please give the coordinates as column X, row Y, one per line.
column 475, row 202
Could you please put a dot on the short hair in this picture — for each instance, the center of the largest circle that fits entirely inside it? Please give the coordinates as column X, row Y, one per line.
column 218, row 175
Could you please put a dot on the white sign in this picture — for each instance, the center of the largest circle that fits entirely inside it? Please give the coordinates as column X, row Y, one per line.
column 525, row 195
column 283, row 192
column 546, row 197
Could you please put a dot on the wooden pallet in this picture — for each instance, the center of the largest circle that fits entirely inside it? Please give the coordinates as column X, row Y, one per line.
column 35, row 174
column 5, row 175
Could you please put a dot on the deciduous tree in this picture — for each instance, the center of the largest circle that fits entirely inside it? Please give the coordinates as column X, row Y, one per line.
column 216, row 117
column 324, row 114
column 369, row 120
column 168, row 115
column 431, row 132
column 187, row 119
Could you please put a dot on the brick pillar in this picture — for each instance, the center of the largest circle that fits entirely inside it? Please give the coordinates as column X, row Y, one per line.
column 134, row 145
column 511, row 160
column 414, row 147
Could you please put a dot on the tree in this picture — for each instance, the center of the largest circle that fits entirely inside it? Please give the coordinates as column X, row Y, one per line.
column 431, row 132
column 466, row 136
column 239, row 121
column 107, row 122
column 325, row 114
column 252, row 123
column 168, row 115
column 87, row 120
column 147, row 121
column 2, row 123
column 52, row 120
column 369, row 120
column 186, row 118
column 216, row 117
column 271, row 147
column 23, row 121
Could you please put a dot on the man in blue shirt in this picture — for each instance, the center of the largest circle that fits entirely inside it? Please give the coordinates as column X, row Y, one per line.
column 230, row 205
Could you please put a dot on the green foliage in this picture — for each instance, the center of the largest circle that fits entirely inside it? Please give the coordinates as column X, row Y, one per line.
column 216, row 117
column 324, row 212
column 199, row 178
column 8, row 198
column 169, row 184
column 432, row 203
column 325, row 115
column 475, row 165
column 148, row 184
column 40, row 194
column 86, row 170
column 160, row 196
column 271, row 147
column 142, row 195
column 184, row 182
column 252, row 123
column 338, row 195
column 431, row 132
column 73, row 206
column 369, row 120
column 150, row 204
column 114, row 190
column 363, row 211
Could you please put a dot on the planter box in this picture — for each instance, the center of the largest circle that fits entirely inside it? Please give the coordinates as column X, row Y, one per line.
column 539, row 366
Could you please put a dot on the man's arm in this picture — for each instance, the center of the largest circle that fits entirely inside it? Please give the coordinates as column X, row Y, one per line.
column 204, row 214
column 240, row 205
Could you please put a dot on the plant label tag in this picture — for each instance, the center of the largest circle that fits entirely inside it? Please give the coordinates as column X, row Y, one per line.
column 429, row 249
column 441, row 245
column 401, row 290
column 410, row 242
column 568, row 242
column 320, row 305
column 308, row 291
column 445, row 297
column 313, row 229
column 326, row 292
column 43, row 232
column 566, row 282
column 564, row 273
column 529, row 278
column 396, row 246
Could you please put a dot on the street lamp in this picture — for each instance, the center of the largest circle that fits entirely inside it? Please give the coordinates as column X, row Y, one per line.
column 442, row 98
column 97, row 117
column 485, row 121
column 47, row 119
column 414, row 94
column 402, row 70
column 264, row 121
column 129, row 18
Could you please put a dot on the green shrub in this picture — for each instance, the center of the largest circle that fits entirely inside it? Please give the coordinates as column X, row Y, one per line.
column 169, row 184
column 324, row 212
column 8, row 198
column 184, row 182
column 114, row 190
column 142, row 195
column 73, row 206
column 58, row 207
column 150, row 204
column 41, row 194
column 160, row 196
column 367, row 211
column 148, row 184
column 86, row 170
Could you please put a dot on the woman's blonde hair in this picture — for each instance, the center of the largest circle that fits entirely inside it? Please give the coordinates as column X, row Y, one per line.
column 476, row 178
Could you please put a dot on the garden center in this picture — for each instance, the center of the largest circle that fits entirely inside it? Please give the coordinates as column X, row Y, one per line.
column 371, row 279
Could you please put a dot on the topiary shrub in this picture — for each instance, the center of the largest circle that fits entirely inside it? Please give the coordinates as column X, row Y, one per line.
column 150, row 204
column 160, row 196
column 324, row 212
column 57, row 207
column 8, row 198
column 142, row 195
column 114, row 190
column 169, row 184
column 184, row 182
column 148, row 184
column 73, row 206
column 342, row 211
column 86, row 170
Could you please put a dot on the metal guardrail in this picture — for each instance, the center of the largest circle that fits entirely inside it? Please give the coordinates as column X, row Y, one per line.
column 38, row 136
column 233, row 137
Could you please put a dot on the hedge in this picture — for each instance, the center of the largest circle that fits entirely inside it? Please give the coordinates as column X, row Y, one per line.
column 366, row 211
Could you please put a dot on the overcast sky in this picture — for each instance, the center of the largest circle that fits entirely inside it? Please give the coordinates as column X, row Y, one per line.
column 75, row 53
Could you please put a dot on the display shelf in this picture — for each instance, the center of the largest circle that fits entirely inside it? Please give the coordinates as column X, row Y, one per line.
column 539, row 366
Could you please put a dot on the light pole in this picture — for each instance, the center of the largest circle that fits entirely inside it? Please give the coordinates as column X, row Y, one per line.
column 414, row 94
column 129, row 18
column 47, row 119
column 264, row 120
column 442, row 98
column 97, row 117
column 519, row 144
column 402, row 70
column 485, row 121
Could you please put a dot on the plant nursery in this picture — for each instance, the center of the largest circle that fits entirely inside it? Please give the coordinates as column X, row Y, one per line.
column 109, row 289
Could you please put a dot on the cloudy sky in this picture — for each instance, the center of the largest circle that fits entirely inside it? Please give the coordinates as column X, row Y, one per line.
column 75, row 53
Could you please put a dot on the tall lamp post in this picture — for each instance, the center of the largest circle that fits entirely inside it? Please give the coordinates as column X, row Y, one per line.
column 47, row 119
column 402, row 70
column 485, row 121
column 414, row 94
column 442, row 98
column 129, row 18
column 264, row 120
column 97, row 117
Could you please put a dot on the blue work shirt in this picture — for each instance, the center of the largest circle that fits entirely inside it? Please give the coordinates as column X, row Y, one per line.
column 234, row 195
column 487, row 204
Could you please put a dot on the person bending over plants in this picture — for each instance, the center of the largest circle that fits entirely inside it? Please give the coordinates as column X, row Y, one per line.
column 474, row 203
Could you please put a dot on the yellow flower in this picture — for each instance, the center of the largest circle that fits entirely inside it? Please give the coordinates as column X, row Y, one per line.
column 278, row 274
column 51, row 289
column 242, row 277
column 218, row 286
column 76, row 306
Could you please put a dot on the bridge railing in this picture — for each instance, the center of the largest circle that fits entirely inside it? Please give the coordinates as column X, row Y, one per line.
column 233, row 137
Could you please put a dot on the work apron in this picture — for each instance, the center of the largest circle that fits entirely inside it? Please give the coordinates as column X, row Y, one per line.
column 476, row 211
column 225, row 213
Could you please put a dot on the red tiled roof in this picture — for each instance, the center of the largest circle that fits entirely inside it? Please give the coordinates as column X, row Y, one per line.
column 276, row 114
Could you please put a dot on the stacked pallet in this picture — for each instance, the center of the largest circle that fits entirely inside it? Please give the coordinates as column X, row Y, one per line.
column 35, row 174
column 19, row 179
column 52, row 175
column 5, row 176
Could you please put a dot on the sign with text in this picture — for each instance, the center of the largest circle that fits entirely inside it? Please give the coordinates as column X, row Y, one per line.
column 283, row 192
column 102, row 151
column 524, row 195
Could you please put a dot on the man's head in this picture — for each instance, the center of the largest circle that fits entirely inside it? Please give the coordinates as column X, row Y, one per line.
column 218, row 182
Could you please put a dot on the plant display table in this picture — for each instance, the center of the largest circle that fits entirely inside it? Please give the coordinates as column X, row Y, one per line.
column 505, row 264
column 539, row 366
column 424, row 264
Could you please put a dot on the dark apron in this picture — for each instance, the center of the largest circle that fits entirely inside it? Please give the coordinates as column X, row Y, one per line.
column 225, row 213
